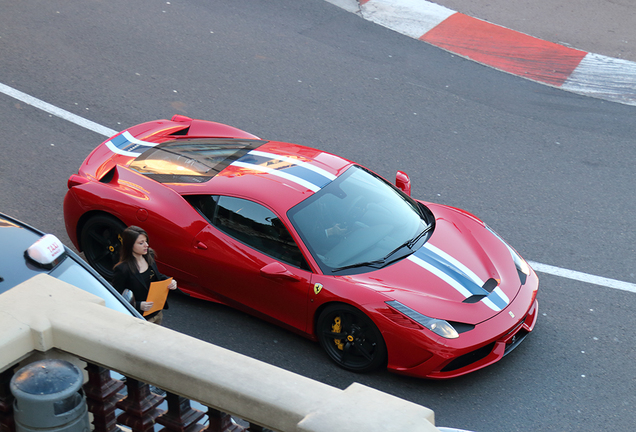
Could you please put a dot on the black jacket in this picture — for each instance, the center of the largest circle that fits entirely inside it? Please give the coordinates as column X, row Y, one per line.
column 124, row 278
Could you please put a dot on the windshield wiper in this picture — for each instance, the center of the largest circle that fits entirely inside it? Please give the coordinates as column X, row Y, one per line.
column 379, row 263
column 413, row 241
column 410, row 243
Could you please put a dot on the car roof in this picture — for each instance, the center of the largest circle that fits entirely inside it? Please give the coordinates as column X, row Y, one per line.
column 27, row 252
column 197, row 157
column 46, row 254
column 279, row 174
column 15, row 238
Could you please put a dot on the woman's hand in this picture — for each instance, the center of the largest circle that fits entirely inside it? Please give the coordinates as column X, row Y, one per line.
column 173, row 285
column 146, row 306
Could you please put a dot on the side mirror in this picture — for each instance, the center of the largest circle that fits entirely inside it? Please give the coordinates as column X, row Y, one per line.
column 129, row 296
column 403, row 182
column 276, row 270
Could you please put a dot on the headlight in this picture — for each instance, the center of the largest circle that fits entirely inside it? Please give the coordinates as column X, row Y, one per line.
column 437, row 326
column 520, row 263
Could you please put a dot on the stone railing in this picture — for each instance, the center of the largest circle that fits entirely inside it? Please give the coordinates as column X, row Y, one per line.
column 47, row 318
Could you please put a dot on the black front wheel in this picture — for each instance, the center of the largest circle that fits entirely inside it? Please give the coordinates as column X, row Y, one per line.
column 101, row 241
column 351, row 339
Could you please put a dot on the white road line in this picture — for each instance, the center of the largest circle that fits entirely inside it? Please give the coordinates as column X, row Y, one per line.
column 583, row 277
column 58, row 112
column 541, row 268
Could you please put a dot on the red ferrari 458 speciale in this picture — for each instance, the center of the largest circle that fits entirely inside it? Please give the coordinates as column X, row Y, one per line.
column 310, row 241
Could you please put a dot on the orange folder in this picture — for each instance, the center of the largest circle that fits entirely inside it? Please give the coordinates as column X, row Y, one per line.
column 158, row 293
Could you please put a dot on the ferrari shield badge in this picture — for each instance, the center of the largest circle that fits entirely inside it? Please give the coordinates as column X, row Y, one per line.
column 317, row 288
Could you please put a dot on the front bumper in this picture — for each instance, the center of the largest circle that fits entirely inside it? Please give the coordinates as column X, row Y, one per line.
column 488, row 343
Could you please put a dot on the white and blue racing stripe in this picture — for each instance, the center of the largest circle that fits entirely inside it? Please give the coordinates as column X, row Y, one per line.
column 297, row 171
column 127, row 145
column 498, row 298
column 455, row 263
column 458, row 276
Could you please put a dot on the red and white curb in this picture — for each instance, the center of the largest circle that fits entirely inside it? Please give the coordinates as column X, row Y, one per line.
column 504, row 49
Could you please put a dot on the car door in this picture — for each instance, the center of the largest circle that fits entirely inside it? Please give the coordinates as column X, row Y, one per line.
column 248, row 258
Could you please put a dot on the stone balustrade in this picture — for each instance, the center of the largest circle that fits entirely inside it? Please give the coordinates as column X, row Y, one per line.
column 47, row 318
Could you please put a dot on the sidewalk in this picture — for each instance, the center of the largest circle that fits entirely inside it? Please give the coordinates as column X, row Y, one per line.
column 554, row 43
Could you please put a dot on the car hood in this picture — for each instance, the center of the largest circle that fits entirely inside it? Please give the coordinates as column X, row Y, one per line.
column 463, row 273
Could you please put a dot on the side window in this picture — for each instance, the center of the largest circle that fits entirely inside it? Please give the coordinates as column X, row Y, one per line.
column 252, row 224
column 206, row 205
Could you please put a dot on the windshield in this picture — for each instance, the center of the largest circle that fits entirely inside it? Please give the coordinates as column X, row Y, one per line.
column 359, row 221
column 71, row 272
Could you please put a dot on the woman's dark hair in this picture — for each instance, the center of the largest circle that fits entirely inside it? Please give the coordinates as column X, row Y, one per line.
column 128, row 238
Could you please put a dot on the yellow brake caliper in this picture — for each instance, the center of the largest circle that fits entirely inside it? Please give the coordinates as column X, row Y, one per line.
column 121, row 241
column 337, row 328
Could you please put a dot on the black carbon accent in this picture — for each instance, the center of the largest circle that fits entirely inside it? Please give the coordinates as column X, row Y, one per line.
column 470, row 358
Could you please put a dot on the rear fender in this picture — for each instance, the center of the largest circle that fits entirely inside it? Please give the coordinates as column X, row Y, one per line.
column 135, row 200
column 152, row 204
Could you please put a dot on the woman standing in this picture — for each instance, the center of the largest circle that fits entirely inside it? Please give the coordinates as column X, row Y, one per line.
column 136, row 269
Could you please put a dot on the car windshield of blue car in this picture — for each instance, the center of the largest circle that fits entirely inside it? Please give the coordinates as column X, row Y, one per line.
column 360, row 222
column 71, row 272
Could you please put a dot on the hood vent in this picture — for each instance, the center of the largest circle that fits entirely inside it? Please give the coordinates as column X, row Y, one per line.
column 488, row 287
column 474, row 298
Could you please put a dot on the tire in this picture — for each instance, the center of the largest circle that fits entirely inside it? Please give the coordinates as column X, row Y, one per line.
column 351, row 339
column 100, row 242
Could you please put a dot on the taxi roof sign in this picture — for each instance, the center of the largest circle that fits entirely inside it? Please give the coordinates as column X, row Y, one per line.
column 46, row 251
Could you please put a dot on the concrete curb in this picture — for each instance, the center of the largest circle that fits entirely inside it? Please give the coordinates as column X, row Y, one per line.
column 504, row 49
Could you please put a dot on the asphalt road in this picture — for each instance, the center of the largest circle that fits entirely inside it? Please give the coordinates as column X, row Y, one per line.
column 551, row 171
